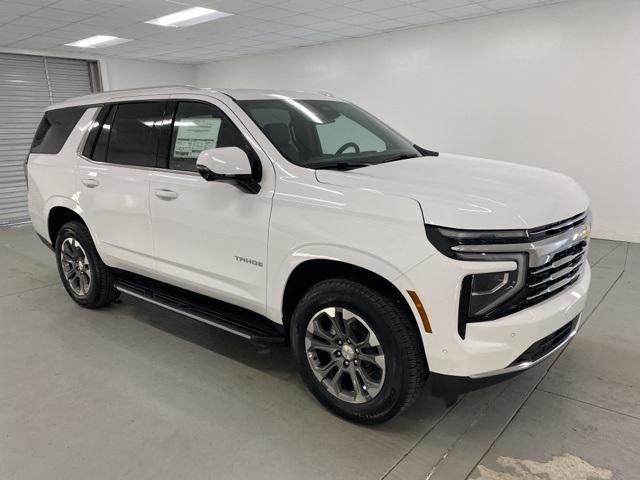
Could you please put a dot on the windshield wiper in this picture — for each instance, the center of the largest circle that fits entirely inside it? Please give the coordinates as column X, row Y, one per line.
column 341, row 165
column 402, row 156
column 351, row 164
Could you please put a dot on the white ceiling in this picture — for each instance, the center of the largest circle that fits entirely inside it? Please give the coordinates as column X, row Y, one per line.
column 257, row 26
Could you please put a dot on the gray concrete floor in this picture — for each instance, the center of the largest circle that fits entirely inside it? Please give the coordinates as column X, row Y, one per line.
column 133, row 391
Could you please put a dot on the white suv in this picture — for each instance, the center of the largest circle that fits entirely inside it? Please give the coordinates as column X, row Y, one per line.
column 300, row 218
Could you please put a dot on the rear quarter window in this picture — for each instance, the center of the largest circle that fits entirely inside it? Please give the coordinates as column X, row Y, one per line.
column 55, row 128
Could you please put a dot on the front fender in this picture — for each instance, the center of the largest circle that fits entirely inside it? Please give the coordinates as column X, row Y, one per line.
column 279, row 275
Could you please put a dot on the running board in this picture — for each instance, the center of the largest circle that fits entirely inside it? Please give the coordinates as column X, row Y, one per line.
column 229, row 318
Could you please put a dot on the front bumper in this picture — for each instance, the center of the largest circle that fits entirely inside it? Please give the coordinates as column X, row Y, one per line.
column 489, row 348
column 539, row 351
column 450, row 386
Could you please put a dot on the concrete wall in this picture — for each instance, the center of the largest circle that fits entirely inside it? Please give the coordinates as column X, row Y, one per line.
column 556, row 87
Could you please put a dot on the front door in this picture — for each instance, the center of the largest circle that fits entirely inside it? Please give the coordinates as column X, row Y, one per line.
column 209, row 237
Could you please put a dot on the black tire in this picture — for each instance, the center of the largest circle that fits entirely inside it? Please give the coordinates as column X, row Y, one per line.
column 101, row 287
column 396, row 333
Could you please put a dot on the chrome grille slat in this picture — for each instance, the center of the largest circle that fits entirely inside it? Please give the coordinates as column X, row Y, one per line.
column 549, row 282
column 562, row 269
column 559, row 263
column 554, row 276
column 556, row 286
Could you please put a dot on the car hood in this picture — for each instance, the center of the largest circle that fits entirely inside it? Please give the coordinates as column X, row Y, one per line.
column 466, row 192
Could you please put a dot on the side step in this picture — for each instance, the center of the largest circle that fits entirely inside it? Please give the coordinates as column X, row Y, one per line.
column 236, row 320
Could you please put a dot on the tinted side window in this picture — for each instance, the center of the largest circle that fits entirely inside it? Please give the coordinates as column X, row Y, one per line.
column 55, row 128
column 133, row 136
column 199, row 127
column 94, row 131
column 99, row 152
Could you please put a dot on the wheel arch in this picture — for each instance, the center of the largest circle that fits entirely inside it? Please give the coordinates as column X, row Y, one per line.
column 57, row 216
column 312, row 271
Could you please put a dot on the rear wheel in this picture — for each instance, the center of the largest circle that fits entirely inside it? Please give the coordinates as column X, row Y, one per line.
column 86, row 278
column 358, row 351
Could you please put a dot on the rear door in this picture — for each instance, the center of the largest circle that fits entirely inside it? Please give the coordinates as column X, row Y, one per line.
column 114, row 174
column 210, row 237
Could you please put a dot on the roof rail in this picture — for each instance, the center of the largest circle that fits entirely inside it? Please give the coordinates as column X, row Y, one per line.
column 123, row 90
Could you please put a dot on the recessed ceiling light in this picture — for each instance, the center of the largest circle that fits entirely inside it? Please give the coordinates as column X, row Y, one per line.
column 98, row 41
column 188, row 17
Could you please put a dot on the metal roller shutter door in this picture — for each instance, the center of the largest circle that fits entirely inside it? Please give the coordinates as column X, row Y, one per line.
column 28, row 84
column 68, row 78
column 24, row 93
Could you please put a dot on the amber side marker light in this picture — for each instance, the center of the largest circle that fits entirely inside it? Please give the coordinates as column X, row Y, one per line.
column 421, row 311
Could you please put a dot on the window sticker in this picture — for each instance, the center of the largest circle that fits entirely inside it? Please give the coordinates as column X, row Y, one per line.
column 195, row 135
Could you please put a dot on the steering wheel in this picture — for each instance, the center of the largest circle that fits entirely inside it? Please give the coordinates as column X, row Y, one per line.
column 341, row 150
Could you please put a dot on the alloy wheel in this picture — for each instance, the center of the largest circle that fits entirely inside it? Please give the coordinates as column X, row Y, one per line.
column 75, row 266
column 345, row 355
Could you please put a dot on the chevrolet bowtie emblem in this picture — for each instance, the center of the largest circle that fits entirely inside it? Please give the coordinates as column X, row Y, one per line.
column 586, row 233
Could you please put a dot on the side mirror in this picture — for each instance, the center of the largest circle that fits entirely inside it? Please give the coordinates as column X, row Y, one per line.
column 227, row 164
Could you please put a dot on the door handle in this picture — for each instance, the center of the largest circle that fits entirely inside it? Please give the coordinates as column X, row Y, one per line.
column 90, row 182
column 165, row 194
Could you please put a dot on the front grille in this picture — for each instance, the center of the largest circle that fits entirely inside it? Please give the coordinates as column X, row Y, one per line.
column 545, row 345
column 561, row 271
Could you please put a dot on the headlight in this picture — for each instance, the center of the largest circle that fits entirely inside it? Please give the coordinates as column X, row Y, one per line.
column 487, row 289
column 484, row 296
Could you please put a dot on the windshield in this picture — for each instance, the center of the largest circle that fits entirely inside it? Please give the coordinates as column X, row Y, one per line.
column 327, row 133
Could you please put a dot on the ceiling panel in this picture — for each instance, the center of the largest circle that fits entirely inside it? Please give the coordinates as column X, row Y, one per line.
column 257, row 26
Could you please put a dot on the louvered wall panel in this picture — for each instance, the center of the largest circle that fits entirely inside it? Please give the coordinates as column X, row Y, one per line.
column 28, row 84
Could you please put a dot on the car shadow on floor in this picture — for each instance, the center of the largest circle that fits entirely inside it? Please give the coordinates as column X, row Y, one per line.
column 272, row 359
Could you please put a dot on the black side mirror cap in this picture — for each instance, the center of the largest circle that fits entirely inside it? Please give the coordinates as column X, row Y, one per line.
column 246, row 183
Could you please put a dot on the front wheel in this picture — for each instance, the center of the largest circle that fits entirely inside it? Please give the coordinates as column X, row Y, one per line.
column 86, row 278
column 358, row 351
